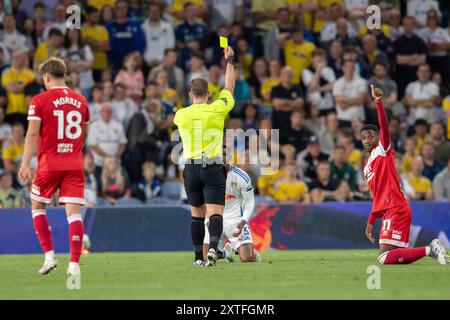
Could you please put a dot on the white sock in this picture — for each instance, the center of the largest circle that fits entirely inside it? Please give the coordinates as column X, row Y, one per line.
column 50, row 255
column 428, row 250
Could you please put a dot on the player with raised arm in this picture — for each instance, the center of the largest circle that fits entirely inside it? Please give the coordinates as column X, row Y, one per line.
column 58, row 120
column 389, row 202
column 239, row 205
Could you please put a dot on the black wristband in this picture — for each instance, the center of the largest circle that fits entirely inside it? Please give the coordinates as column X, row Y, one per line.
column 230, row 60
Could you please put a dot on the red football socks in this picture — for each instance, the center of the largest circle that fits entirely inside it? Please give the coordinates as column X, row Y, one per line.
column 403, row 255
column 43, row 230
column 76, row 231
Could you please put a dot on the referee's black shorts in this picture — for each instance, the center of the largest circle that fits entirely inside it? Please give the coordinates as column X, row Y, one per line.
column 205, row 184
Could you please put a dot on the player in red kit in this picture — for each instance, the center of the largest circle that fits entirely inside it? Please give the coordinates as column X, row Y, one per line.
column 58, row 120
column 389, row 202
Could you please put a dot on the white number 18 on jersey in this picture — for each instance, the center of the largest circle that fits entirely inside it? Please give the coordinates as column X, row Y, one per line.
column 73, row 119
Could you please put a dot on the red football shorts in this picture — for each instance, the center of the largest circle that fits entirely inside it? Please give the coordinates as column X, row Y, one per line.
column 395, row 225
column 69, row 182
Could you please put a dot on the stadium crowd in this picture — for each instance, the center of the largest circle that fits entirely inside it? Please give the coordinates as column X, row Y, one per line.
column 303, row 67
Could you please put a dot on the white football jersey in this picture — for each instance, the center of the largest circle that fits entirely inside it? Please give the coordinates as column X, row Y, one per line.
column 239, row 194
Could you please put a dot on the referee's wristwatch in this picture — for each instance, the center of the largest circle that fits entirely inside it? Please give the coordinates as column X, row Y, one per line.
column 230, row 60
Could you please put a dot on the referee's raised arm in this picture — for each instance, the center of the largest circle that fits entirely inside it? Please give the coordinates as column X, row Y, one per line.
column 201, row 129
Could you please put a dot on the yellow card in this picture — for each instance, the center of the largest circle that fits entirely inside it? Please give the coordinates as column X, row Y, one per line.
column 223, row 42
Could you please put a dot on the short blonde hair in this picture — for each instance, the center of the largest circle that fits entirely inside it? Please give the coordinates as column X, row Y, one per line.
column 55, row 67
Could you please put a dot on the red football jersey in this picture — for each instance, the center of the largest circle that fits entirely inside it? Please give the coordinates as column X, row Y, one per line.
column 63, row 114
column 383, row 180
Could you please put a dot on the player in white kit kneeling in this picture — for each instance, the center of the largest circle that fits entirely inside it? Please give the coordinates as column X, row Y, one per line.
column 239, row 205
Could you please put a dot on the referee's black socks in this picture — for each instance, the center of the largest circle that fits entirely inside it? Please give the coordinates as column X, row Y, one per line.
column 198, row 236
column 215, row 230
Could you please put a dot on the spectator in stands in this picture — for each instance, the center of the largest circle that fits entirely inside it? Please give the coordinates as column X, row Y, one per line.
column 257, row 77
column 107, row 14
column 344, row 35
column 9, row 197
column 419, row 9
column 159, row 35
column 441, row 184
column 272, row 49
column 242, row 93
column 225, row 12
column 264, row 14
column 266, row 88
column 438, row 43
column 97, row 37
column 50, row 47
column 80, row 58
column 421, row 134
column 12, row 39
column 135, row 11
column 350, row 93
column 190, row 34
column 410, row 52
column 149, row 186
column 398, row 134
column 114, row 181
column 286, row 98
column 12, row 152
column 41, row 21
column 167, row 94
column 91, row 186
column 244, row 56
column 144, row 142
column 296, row 133
column 95, row 104
column 179, row 13
column 106, row 136
column 58, row 21
column 395, row 25
column 297, row 53
column 310, row 158
column 319, row 80
column 125, row 35
column 323, row 187
column 34, row 87
column 214, row 81
column 250, row 115
column 175, row 75
column 123, row 107
column 132, row 77
column 409, row 155
column 421, row 96
column 14, row 81
column 197, row 68
column 289, row 189
column 441, row 145
column 420, row 187
column 346, row 139
column 334, row 60
column 381, row 79
column 329, row 31
column 372, row 53
column 328, row 134
column 341, row 169
column 5, row 129
column 431, row 166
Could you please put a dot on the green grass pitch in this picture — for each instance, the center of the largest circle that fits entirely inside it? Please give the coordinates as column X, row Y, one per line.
column 318, row 274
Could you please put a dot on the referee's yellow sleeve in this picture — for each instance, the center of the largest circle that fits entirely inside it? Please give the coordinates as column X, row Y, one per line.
column 225, row 101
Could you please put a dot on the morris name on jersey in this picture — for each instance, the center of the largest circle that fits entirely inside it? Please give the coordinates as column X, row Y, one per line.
column 67, row 100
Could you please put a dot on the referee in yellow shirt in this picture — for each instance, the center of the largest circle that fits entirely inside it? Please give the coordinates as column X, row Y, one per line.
column 201, row 129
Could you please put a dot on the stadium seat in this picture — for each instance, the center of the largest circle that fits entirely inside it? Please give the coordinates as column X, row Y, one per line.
column 171, row 190
column 160, row 201
column 128, row 202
